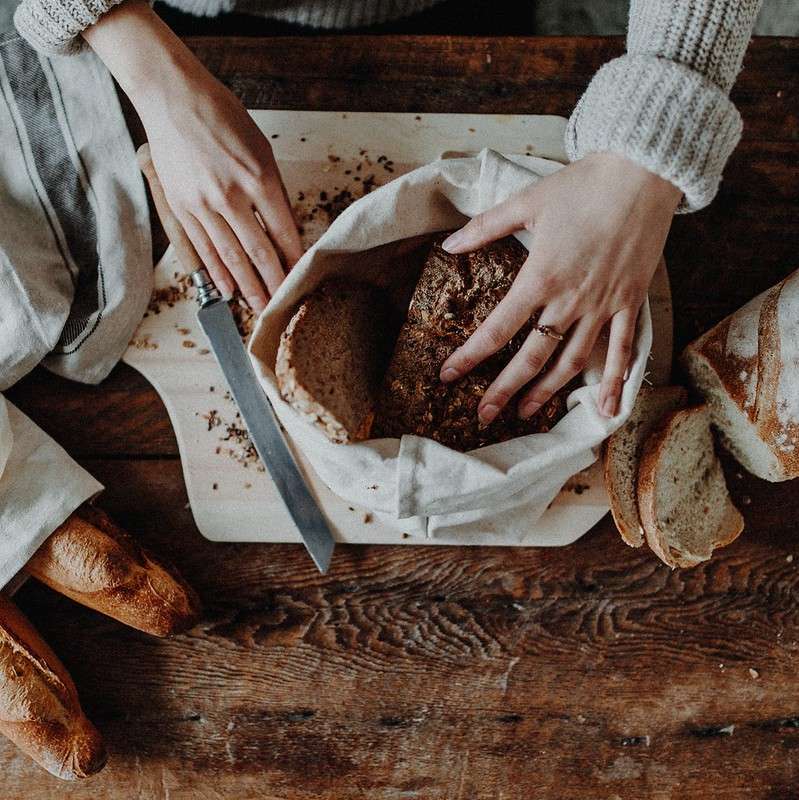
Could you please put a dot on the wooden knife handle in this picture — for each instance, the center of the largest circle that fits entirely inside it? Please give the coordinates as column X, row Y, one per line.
column 187, row 255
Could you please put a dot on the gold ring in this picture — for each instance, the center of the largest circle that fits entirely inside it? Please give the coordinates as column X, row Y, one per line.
column 545, row 330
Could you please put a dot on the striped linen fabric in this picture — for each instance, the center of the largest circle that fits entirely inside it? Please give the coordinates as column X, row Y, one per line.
column 75, row 251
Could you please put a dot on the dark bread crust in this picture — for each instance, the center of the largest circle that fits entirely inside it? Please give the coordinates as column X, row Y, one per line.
column 454, row 295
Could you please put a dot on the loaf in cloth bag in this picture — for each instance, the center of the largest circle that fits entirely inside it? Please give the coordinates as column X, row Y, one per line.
column 413, row 483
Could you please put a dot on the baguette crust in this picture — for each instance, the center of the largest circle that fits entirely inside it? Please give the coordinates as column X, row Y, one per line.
column 39, row 707
column 750, row 362
column 730, row 526
column 94, row 562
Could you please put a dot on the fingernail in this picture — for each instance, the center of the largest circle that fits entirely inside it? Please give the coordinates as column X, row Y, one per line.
column 256, row 304
column 454, row 241
column 488, row 413
column 528, row 409
column 449, row 374
column 609, row 406
column 225, row 289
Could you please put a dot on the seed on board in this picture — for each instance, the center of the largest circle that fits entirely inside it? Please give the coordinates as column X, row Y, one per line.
column 189, row 343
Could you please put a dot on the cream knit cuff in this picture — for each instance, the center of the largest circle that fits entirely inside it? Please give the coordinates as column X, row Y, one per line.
column 662, row 115
column 54, row 28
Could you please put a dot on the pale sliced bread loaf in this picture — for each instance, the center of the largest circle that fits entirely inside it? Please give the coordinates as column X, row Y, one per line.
column 623, row 453
column 686, row 511
column 332, row 356
column 747, row 369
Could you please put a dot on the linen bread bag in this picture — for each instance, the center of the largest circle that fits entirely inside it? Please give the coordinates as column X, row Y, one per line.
column 414, row 483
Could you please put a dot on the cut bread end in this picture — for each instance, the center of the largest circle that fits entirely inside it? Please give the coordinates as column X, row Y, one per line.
column 685, row 509
column 332, row 356
column 737, row 431
column 623, row 453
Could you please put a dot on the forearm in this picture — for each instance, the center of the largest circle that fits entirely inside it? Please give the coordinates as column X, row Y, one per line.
column 141, row 52
column 665, row 104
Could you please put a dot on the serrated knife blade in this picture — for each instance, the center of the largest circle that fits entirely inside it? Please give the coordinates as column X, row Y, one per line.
column 216, row 320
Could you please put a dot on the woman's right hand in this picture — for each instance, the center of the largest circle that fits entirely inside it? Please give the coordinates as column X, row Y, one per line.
column 216, row 167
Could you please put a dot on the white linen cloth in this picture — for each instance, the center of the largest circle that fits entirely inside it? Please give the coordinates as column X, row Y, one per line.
column 415, row 483
column 40, row 486
column 75, row 268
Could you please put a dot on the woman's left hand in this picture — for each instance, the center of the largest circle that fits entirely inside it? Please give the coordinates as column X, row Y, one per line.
column 599, row 226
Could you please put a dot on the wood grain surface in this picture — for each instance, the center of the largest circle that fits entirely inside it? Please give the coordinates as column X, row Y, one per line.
column 590, row 671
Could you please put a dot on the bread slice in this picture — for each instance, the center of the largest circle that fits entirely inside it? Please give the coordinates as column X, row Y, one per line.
column 332, row 356
column 685, row 509
column 623, row 452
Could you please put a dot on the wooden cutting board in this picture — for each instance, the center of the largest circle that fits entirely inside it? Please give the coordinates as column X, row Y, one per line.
column 328, row 160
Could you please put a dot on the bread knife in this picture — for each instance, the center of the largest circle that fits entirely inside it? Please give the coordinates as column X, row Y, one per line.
column 219, row 326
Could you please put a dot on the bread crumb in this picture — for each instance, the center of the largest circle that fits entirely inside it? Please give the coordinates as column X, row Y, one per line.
column 753, row 673
column 189, row 343
column 406, row 535
column 367, row 518
column 204, row 351
column 184, row 331
column 215, row 486
column 789, row 559
column 373, row 487
column 248, row 486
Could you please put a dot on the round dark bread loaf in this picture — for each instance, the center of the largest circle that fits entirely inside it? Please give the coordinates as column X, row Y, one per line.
column 454, row 295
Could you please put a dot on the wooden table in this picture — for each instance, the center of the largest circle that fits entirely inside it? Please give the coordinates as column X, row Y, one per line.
column 591, row 671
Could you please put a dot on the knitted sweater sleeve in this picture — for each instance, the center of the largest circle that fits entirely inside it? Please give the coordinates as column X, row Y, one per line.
column 53, row 27
column 665, row 104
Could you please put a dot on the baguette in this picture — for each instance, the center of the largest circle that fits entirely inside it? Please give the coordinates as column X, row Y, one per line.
column 39, row 707
column 94, row 562
column 686, row 511
column 747, row 369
